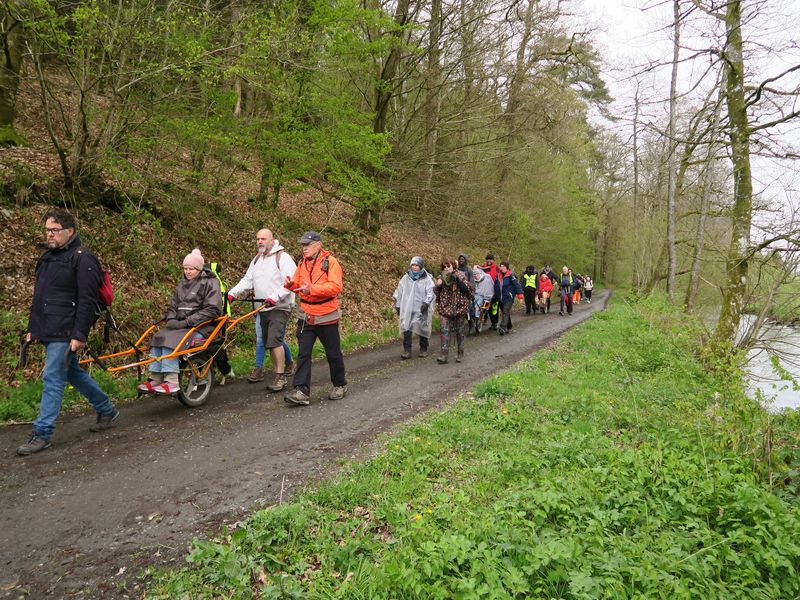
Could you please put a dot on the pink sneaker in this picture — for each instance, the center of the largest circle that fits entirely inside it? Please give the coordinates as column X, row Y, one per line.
column 166, row 388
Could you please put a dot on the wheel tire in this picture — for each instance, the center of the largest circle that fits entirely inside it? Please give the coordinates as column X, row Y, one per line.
column 194, row 393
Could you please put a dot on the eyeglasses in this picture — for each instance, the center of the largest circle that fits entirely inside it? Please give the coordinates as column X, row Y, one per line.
column 55, row 230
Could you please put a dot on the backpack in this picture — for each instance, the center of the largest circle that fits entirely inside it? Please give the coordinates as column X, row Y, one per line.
column 216, row 269
column 105, row 293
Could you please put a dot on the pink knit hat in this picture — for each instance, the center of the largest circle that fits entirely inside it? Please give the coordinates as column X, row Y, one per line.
column 194, row 259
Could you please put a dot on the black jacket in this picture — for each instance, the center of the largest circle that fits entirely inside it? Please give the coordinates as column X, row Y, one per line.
column 64, row 303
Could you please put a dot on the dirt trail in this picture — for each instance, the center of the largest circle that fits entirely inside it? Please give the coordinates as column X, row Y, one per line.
column 82, row 518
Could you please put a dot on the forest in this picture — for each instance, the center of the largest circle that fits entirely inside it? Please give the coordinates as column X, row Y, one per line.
column 487, row 124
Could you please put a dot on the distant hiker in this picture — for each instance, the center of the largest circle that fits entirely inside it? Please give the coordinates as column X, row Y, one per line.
column 490, row 268
column 545, row 290
column 566, row 287
column 588, row 286
column 412, row 301
column 547, row 270
column 530, row 285
column 318, row 283
column 197, row 299
column 453, row 301
column 484, row 289
column 507, row 287
column 576, row 295
column 63, row 311
column 265, row 278
column 463, row 266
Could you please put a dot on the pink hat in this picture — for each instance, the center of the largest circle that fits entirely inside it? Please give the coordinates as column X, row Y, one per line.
column 194, row 259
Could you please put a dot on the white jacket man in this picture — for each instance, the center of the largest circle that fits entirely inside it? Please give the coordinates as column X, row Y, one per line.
column 265, row 277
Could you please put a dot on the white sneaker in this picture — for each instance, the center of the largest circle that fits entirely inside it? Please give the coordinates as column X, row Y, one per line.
column 225, row 377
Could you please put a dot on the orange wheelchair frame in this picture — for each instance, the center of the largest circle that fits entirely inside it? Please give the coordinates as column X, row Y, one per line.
column 196, row 374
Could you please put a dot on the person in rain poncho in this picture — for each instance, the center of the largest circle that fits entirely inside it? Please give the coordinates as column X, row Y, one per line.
column 484, row 289
column 412, row 302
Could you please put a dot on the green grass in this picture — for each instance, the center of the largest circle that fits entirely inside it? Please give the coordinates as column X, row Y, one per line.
column 622, row 463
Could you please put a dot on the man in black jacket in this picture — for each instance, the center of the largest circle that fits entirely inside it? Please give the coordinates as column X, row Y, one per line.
column 63, row 310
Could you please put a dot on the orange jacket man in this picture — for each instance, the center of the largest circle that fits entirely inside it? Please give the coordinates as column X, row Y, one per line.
column 317, row 283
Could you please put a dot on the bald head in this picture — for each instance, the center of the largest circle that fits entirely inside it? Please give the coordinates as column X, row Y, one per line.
column 264, row 241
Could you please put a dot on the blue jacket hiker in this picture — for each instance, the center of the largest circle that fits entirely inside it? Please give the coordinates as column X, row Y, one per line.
column 63, row 311
column 506, row 288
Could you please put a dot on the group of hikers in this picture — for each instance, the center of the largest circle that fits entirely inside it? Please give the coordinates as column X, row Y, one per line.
column 468, row 296
column 68, row 288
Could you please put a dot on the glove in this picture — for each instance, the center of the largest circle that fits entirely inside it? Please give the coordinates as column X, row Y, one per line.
column 269, row 302
column 424, row 308
column 174, row 323
column 230, row 298
column 397, row 309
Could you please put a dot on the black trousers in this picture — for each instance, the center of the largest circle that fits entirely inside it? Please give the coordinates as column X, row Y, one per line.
column 423, row 342
column 331, row 342
column 566, row 298
column 530, row 300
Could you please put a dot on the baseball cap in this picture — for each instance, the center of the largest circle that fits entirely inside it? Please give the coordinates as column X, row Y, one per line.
column 310, row 236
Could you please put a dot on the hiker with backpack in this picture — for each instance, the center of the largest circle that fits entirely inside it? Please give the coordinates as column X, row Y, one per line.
column 318, row 283
column 63, row 311
column 197, row 299
column 264, row 278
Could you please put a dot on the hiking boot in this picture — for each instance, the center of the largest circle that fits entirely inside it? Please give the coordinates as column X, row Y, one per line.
column 256, row 375
column 423, row 354
column 502, row 331
column 105, row 421
column 279, row 383
column 297, row 396
column 460, row 357
column 442, row 360
column 405, row 355
column 225, row 377
column 35, row 444
column 338, row 392
column 289, row 369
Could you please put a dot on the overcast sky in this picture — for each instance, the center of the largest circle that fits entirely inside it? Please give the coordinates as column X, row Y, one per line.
column 633, row 33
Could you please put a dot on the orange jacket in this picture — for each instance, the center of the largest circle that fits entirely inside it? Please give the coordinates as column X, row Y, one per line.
column 323, row 297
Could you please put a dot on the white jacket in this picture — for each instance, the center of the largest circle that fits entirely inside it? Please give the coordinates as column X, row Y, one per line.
column 265, row 277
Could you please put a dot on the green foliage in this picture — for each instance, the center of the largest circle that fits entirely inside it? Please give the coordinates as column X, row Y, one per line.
column 605, row 467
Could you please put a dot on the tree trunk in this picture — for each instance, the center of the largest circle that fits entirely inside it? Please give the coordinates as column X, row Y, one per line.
column 736, row 264
column 432, row 102
column 694, row 279
column 10, row 64
column 636, row 279
column 515, row 93
column 384, row 88
column 672, row 176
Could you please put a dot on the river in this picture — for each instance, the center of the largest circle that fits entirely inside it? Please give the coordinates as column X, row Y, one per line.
column 762, row 375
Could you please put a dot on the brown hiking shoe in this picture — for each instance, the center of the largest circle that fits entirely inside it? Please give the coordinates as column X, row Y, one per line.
column 405, row 355
column 256, row 375
column 297, row 396
column 338, row 392
column 279, row 383
column 35, row 444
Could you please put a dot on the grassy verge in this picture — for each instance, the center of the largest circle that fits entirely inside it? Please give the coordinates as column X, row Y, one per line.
column 621, row 463
column 20, row 400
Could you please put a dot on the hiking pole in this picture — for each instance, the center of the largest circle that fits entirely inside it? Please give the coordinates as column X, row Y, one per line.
column 22, row 360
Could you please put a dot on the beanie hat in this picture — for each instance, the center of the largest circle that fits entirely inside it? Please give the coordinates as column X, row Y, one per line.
column 194, row 259
column 417, row 260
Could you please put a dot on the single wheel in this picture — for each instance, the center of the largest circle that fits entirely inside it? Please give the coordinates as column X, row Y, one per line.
column 194, row 392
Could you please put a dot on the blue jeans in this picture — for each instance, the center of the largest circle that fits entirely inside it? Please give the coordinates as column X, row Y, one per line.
column 261, row 350
column 56, row 374
column 168, row 365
